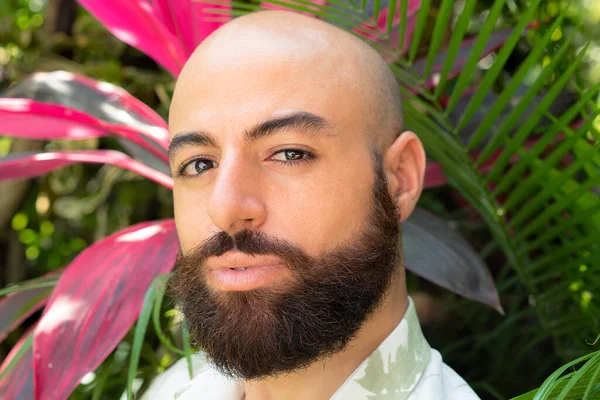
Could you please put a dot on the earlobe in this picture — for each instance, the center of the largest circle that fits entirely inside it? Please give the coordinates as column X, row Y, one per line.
column 404, row 163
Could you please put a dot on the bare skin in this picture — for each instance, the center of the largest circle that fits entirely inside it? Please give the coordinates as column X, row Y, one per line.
column 270, row 65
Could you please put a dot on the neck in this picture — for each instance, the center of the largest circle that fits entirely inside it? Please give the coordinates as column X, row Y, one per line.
column 321, row 379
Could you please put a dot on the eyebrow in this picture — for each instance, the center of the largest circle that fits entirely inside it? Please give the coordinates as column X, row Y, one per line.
column 302, row 121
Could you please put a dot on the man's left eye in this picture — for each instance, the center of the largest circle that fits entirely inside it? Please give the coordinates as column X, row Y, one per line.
column 291, row 155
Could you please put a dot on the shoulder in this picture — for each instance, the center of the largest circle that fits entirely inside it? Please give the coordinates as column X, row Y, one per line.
column 169, row 384
column 176, row 384
column 440, row 382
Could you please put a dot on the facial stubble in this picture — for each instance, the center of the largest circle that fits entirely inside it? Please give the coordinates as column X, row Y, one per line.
column 278, row 330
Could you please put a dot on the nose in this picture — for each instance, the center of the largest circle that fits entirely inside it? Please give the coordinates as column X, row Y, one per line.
column 235, row 202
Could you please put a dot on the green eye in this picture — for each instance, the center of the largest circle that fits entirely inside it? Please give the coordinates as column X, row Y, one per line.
column 291, row 155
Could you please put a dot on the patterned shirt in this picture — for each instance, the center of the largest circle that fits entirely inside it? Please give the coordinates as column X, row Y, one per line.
column 403, row 367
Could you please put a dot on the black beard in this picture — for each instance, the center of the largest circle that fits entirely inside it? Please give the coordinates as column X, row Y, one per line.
column 267, row 332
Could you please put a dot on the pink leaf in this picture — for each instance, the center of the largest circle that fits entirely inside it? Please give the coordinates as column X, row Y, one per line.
column 33, row 120
column 191, row 21
column 97, row 300
column 17, row 384
column 137, row 23
column 36, row 120
column 27, row 165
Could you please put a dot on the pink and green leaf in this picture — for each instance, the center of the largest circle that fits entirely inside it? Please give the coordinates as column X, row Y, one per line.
column 97, row 300
column 101, row 100
column 30, row 119
column 27, row 165
column 76, row 107
column 16, row 372
column 23, row 302
column 119, row 97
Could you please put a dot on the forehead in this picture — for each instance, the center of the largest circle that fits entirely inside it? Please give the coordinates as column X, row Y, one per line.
column 229, row 91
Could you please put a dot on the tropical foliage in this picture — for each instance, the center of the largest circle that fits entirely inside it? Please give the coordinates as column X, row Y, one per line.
column 504, row 96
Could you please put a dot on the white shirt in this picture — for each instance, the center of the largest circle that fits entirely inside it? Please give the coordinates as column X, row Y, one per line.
column 403, row 367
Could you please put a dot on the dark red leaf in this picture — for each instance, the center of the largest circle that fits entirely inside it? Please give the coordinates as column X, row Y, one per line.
column 27, row 165
column 97, row 300
column 434, row 176
column 441, row 255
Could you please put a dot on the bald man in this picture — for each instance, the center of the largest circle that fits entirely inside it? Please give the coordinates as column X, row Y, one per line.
column 292, row 174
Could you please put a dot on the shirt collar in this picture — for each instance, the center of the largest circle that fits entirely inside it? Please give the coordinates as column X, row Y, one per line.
column 394, row 367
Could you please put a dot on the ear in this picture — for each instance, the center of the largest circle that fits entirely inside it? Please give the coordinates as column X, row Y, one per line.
column 404, row 166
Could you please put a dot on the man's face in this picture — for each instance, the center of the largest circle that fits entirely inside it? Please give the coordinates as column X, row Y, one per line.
column 315, row 196
column 297, row 200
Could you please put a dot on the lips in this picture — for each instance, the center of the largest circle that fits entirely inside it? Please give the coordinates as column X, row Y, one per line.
column 235, row 271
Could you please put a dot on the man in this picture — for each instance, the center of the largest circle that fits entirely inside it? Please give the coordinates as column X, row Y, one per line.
column 292, row 174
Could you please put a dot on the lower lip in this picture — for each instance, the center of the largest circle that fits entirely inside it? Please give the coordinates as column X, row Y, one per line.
column 230, row 280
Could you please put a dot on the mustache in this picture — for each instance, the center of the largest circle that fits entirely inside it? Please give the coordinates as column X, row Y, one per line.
column 247, row 242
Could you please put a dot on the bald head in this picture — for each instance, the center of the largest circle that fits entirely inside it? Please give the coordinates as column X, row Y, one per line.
column 274, row 124
column 314, row 53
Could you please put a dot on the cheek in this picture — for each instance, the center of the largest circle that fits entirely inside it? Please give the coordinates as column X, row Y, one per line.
column 191, row 220
column 323, row 213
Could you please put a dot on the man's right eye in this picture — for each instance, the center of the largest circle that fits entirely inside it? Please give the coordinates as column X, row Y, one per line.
column 196, row 167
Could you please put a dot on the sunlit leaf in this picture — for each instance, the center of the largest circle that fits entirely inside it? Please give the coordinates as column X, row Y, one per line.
column 95, row 303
